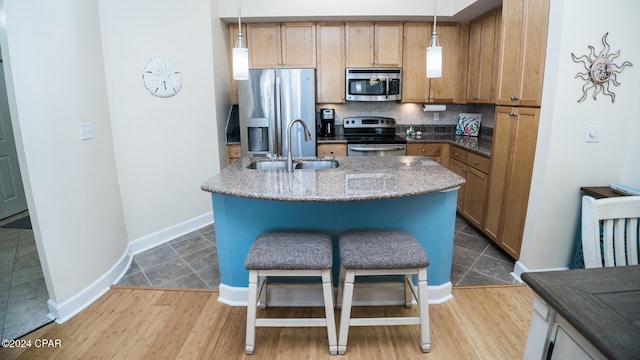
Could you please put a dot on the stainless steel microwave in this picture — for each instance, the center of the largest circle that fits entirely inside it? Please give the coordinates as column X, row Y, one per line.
column 373, row 84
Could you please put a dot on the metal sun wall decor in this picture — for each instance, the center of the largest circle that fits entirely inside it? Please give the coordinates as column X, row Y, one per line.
column 600, row 71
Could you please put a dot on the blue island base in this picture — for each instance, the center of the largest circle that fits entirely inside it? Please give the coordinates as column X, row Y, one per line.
column 429, row 217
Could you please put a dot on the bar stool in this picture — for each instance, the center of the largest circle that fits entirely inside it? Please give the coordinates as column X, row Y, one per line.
column 372, row 253
column 289, row 254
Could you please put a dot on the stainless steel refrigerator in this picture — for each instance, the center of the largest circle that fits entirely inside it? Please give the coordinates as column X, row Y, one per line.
column 268, row 102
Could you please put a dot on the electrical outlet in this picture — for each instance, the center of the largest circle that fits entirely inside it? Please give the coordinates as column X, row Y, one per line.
column 436, row 116
column 86, row 131
column 594, row 133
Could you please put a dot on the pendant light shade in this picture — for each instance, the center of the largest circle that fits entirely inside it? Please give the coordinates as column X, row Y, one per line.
column 434, row 61
column 434, row 51
column 240, row 55
column 240, row 63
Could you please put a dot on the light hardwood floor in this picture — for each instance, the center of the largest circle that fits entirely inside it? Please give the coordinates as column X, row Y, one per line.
column 488, row 322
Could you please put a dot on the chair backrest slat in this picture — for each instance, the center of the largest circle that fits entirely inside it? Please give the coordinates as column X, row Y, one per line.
column 610, row 231
column 632, row 241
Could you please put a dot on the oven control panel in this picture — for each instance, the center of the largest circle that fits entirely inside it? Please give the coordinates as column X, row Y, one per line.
column 369, row 122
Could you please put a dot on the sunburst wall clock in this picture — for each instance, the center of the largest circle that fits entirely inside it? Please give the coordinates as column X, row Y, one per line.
column 600, row 72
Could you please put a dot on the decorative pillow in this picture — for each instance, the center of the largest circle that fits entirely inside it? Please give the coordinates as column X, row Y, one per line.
column 468, row 124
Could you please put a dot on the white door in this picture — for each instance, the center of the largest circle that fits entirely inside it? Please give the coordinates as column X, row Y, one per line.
column 12, row 199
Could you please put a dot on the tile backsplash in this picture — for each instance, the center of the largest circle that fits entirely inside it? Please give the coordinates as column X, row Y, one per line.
column 411, row 114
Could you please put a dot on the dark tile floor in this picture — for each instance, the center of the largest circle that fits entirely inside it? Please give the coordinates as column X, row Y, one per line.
column 476, row 260
column 23, row 294
column 191, row 261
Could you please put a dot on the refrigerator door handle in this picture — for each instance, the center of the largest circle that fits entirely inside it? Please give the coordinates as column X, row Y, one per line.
column 278, row 116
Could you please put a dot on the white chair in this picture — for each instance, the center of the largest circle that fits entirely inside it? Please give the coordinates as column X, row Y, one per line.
column 289, row 254
column 610, row 231
column 371, row 253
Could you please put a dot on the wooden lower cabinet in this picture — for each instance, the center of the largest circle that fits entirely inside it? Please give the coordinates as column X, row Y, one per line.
column 472, row 195
column 332, row 150
column 514, row 144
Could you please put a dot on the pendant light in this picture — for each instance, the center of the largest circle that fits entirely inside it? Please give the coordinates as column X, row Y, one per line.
column 434, row 51
column 240, row 55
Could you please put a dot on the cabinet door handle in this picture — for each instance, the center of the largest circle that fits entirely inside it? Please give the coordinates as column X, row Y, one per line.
column 464, row 170
column 512, row 114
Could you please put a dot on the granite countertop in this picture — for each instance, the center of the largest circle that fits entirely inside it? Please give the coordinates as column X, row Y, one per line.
column 478, row 144
column 602, row 304
column 356, row 178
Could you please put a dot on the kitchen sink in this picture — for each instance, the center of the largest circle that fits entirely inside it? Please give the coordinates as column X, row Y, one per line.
column 315, row 164
column 268, row 165
column 312, row 164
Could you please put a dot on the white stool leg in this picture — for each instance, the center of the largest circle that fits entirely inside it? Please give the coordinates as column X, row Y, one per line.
column 263, row 300
column 345, row 317
column 327, row 291
column 340, row 288
column 251, row 312
column 408, row 294
column 423, row 303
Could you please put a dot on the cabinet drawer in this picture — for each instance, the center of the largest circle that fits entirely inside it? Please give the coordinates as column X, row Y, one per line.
column 479, row 162
column 332, row 150
column 234, row 152
column 459, row 154
column 432, row 150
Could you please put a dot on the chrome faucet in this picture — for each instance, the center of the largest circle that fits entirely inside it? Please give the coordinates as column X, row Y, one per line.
column 307, row 137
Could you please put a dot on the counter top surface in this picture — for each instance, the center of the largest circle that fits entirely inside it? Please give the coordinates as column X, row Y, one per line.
column 480, row 145
column 356, row 178
column 602, row 304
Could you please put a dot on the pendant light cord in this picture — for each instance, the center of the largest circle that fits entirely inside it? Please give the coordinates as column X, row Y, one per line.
column 434, row 35
column 239, row 41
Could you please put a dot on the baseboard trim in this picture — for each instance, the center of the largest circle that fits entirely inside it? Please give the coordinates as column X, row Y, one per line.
column 519, row 268
column 70, row 307
column 311, row 295
column 160, row 237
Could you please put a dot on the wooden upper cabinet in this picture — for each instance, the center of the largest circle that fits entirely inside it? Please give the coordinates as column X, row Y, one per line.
column 523, row 34
column 287, row 45
column 370, row 44
column 451, row 87
column 482, row 47
column 330, row 63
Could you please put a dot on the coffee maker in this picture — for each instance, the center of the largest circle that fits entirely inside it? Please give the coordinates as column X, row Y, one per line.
column 327, row 118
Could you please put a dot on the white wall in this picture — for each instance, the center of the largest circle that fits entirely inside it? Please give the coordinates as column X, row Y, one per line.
column 564, row 161
column 222, row 76
column 165, row 147
column 76, row 61
column 55, row 79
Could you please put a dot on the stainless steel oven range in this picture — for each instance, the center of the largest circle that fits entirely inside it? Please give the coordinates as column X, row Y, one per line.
column 373, row 136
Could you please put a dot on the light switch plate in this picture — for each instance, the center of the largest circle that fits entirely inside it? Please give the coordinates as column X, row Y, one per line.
column 594, row 133
column 86, row 131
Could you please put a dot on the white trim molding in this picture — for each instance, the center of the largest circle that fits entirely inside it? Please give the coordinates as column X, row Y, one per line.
column 311, row 294
column 160, row 237
column 70, row 307
column 519, row 268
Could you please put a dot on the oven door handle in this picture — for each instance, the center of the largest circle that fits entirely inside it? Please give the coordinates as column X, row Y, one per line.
column 381, row 148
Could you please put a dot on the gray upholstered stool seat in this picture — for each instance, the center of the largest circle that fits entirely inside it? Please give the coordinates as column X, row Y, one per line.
column 371, row 253
column 290, row 251
column 381, row 250
column 289, row 254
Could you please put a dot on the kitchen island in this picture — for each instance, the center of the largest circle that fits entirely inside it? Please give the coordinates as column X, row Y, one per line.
column 406, row 193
